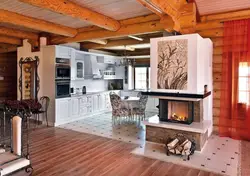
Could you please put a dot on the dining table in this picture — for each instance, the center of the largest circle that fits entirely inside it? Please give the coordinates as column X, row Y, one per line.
column 130, row 102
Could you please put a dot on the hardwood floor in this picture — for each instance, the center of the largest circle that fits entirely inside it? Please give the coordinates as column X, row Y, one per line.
column 56, row 151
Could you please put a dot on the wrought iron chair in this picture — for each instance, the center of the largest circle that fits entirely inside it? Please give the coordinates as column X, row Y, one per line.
column 44, row 101
column 118, row 111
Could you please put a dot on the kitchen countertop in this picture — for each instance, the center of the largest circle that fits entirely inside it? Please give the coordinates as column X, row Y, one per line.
column 88, row 93
column 97, row 92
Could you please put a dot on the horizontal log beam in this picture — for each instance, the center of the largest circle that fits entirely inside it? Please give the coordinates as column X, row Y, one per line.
column 18, row 33
column 129, row 21
column 139, row 28
column 8, row 49
column 37, row 24
column 112, row 43
column 227, row 16
column 10, row 40
column 67, row 7
column 213, row 33
column 208, row 25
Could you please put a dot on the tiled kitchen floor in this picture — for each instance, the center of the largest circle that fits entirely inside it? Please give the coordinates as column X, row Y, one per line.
column 220, row 155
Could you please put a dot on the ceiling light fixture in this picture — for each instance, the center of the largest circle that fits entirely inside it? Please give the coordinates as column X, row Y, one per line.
column 136, row 38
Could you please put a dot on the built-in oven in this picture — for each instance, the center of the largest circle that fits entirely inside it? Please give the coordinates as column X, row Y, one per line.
column 62, row 88
column 62, row 68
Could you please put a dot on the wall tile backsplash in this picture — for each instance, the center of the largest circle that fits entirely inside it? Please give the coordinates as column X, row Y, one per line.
column 91, row 85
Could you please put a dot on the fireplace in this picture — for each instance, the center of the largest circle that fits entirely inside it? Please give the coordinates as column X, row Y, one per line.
column 176, row 111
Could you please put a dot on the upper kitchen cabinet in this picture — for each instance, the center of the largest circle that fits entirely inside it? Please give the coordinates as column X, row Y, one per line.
column 106, row 59
column 63, row 52
column 79, row 65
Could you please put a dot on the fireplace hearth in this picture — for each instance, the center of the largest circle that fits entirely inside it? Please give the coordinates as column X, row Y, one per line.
column 176, row 111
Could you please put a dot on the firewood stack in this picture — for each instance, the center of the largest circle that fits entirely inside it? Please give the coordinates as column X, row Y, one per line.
column 180, row 146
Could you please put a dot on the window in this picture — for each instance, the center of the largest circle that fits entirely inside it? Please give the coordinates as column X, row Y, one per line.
column 142, row 78
column 243, row 83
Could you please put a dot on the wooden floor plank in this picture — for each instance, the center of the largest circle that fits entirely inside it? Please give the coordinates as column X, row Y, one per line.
column 56, row 151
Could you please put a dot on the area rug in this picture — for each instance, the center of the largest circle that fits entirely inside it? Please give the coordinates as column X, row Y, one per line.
column 245, row 158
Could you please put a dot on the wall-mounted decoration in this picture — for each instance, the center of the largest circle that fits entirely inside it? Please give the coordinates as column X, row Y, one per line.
column 172, row 64
column 29, row 81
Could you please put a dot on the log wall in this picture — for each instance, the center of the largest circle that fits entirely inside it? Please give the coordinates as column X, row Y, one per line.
column 217, row 37
column 8, row 70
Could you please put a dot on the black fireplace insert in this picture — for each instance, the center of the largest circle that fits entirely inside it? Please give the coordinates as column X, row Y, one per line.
column 176, row 111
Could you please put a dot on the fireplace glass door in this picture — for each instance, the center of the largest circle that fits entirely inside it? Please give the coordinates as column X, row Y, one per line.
column 176, row 111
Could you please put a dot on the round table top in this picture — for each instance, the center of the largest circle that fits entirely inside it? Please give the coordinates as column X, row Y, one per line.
column 130, row 98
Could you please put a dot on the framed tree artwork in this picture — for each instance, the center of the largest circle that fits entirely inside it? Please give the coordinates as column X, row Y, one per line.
column 172, row 64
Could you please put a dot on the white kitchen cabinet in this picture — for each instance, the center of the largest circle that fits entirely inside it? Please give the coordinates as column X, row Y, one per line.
column 73, row 65
column 106, row 59
column 63, row 52
column 120, row 72
column 109, row 60
column 98, row 102
column 75, row 105
column 107, row 101
column 95, row 103
column 63, row 109
column 101, row 102
column 75, row 108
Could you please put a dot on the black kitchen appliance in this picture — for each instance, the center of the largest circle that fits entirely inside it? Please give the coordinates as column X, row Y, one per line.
column 62, row 88
column 62, row 68
column 84, row 90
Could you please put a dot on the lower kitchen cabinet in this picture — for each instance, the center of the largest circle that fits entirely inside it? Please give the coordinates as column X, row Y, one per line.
column 75, row 108
column 75, row 105
column 63, row 109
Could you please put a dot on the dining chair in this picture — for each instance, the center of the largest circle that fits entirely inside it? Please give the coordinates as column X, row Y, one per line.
column 44, row 101
column 118, row 111
column 139, row 110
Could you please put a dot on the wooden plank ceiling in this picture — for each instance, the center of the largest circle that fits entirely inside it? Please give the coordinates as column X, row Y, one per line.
column 206, row 7
column 85, row 20
column 112, row 8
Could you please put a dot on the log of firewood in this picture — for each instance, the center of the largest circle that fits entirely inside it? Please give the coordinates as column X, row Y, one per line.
column 177, row 151
column 172, row 151
column 181, row 146
column 186, row 148
column 173, row 143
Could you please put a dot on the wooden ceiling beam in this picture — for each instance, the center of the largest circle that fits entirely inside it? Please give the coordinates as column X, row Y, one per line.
column 18, row 33
column 213, row 33
column 125, row 30
column 183, row 14
column 166, row 20
column 112, row 43
column 37, row 24
column 8, row 49
column 10, row 40
column 129, row 21
column 67, row 7
column 240, row 14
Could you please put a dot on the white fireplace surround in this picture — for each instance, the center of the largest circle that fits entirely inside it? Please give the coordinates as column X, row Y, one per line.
column 199, row 62
column 199, row 69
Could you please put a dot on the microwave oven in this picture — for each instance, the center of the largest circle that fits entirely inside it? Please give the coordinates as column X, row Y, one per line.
column 62, row 72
